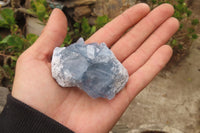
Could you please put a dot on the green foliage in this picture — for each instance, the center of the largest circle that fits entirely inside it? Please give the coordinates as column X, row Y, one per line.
column 194, row 36
column 13, row 44
column 195, row 22
column 67, row 40
column 40, row 8
column 101, row 21
column 188, row 23
column 173, row 42
column 191, row 30
column 31, row 38
column 154, row 1
column 8, row 20
column 11, row 47
column 84, row 29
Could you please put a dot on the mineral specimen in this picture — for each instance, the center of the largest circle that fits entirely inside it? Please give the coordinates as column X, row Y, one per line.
column 92, row 67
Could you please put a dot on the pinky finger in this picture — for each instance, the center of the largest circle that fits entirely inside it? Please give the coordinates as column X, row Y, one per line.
column 143, row 76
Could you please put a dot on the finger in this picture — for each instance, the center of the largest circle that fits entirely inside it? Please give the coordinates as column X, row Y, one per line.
column 112, row 31
column 52, row 36
column 136, row 36
column 148, row 71
column 156, row 40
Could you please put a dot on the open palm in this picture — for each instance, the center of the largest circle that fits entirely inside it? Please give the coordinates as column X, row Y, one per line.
column 141, row 50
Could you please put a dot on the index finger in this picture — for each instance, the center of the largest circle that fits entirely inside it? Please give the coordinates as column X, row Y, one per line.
column 112, row 31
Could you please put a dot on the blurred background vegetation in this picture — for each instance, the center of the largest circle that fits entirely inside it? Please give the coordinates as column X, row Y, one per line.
column 20, row 21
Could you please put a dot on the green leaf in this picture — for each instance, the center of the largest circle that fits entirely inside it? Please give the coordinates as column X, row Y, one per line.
column 179, row 8
column 9, row 71
column 195, row 22
column 62, row 45
column 85, row 27
column 8, row 16
column 67, row 39
column 14, row 58
column 178, row 15
column 35, row 2
column 101, row 21
column 5, row 40
column 76, row 31
column 189, row 13
column 68, row 29
column 44, row 2
column 76, row 25
column 167, row 1
column 180, row 46
column 181, row 26
column 33, row 5
column 14, row 29
column 16, row 41
column 13, row 40
column 154, row 1
column 191, row 30
column 31, row 38
column 194, row 36
column 160, row 2
column 4, row 24
column 93, row 30
column 173, row 42
column 40, row 10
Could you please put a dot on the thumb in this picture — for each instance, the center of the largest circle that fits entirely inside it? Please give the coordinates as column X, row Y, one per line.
column 52, row 35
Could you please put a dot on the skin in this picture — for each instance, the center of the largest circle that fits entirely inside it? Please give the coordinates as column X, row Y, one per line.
column 137, row 37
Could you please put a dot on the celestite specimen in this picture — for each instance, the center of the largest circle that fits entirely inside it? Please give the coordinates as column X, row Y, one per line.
column 92, row 67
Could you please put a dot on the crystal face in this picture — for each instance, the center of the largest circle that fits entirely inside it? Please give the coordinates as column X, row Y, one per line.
column 92, row 67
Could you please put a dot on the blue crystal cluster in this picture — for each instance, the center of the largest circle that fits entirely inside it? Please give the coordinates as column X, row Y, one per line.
column 92, row 67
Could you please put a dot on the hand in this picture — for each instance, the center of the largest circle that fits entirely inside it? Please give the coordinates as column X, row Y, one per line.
column 141, row 50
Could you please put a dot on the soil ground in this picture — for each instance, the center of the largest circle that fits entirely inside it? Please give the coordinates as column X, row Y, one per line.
column 170, row 103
